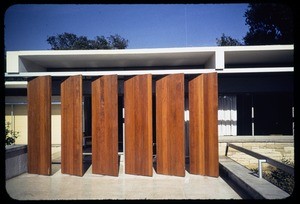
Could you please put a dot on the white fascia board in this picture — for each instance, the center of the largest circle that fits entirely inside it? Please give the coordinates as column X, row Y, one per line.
column 151, row 50
column 117, row 51
column 157, row 50
column 119, row 73
column 255, row 47
column 155, row 72
column 16, row 84
column 257, row 70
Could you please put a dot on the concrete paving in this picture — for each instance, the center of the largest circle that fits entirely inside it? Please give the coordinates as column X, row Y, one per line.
column 92, row 186
column 257, row 188
column 260, row 138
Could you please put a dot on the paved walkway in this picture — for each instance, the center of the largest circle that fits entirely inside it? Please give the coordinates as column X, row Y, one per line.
column 255, row 187
column 125, row 186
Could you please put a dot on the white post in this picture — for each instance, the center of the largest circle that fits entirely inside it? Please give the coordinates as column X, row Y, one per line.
column 260, row 161
column 123, row 127
column 293, row 125
column 252, row 118
column 12, row 122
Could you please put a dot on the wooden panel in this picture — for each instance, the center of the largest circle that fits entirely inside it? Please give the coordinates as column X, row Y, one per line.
column 211, row 125
column 170, row 125
column 39, row 125
column 138, row 125
column 196, row 125
column 105, row 125
column 71, row 126
column 203, row 108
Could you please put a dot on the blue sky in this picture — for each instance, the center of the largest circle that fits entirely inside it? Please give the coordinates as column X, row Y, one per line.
column 145, row 26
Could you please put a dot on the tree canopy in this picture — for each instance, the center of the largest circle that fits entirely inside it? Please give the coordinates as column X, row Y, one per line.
column 269, row 24
column 227, row 41
column 70, row 41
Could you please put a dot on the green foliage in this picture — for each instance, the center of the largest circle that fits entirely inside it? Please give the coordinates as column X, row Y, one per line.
column 117, row 42
column 227, row 41
column 10, row 135
column 269, row 23
column 70, row 41
column 280, row 178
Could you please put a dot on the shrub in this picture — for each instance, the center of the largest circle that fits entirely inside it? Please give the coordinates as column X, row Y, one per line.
column 10, row 135
column 279, row 177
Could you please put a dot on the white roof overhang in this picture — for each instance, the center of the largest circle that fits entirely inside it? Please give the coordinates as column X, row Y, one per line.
column 197, row 60
column 201, row 57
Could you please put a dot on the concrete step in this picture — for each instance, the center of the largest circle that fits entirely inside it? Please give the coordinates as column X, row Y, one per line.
column 245, row 179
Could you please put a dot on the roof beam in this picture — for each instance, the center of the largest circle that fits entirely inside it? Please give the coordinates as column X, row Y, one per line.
column 154, row 72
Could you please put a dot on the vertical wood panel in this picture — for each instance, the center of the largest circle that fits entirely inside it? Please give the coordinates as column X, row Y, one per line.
column 71, row 126
column 39, row 92
column 211, row 124
column 203, row 107
column 196, row 112
column 138, row 125
column 105, row 125
column 170, row 125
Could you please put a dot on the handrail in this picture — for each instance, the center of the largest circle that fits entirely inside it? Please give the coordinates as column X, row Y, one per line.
column 285, row 167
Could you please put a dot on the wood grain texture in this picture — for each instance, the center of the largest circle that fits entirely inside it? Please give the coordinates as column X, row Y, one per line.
column 71, row 126
column 196, row 126
column 105, row 125
column 170, row 125
column 39, row 92
column 138, row 125
column 203, row 111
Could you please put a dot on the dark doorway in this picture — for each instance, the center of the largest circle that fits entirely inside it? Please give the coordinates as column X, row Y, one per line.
column 273, row 114
column 244, row 104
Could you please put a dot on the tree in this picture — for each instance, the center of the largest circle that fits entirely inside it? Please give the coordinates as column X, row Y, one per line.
column 70, row 41
column 100, row 43
column 269, row 24
column 227, row 41
column 117, row 41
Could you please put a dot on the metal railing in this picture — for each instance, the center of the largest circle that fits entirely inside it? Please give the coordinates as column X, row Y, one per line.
column 261, row 158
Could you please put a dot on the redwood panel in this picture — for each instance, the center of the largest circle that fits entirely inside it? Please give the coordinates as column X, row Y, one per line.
column 71, row 126
column 138, row 125
column 39, row 92
column 196, row 125
column 211, row 125
column 203, row 108
column 105, row 125
column 170, row 125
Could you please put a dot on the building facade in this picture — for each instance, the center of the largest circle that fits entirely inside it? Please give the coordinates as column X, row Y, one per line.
column 255, row 85
column 255, row 82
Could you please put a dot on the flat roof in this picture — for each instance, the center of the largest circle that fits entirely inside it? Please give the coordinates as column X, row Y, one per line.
column 207, row 57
